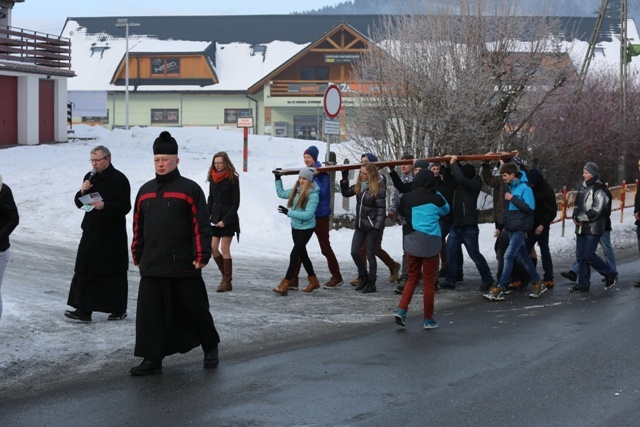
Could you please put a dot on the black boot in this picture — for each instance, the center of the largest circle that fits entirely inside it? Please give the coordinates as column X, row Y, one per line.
column 371, row 286
column 211, row 358
column 147, row 367
column 363, row 281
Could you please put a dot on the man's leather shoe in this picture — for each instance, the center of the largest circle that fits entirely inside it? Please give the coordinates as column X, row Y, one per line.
column 117, row 316
column 76, row 315
column 147, row 367
column 211, row 358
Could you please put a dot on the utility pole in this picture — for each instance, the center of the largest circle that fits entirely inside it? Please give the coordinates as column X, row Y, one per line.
column 124, row 22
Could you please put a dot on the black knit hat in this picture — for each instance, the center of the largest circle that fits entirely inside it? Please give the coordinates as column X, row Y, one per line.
column 165, row 144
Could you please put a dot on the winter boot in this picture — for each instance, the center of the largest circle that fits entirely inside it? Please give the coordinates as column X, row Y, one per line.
column 363, row 282
column 225, row 284
column 313, row 284
column 371, row 285
column 282, row 288
column 220, row 263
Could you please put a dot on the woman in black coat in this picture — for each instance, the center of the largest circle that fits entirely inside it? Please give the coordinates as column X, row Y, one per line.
column 223, row 202
column 100, row 279
column 371, row 211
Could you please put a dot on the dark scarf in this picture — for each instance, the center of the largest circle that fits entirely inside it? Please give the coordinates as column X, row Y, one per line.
column 174, row 174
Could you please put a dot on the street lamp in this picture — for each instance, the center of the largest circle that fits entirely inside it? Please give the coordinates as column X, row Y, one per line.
column 124, row 22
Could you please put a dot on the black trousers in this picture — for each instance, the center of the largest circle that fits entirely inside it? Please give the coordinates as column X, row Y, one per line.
column 173, row 317
column 300, row 240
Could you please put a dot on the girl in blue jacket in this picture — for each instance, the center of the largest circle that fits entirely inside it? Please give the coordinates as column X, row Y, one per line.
column 302, row 203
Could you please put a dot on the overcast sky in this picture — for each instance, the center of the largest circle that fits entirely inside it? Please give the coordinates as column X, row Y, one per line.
column 49, row 16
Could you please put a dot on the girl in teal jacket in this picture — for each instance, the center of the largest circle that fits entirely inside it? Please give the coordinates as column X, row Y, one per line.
column 302, row 203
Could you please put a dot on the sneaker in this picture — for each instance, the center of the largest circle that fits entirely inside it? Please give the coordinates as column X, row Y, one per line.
column 578, row 289
column 495, row 294
column 549, row 284
column 355, row 282
column 117, row 316
column 293, row 284
column 394, row 272
column 571, row 275
column 538, row 289
column 333, row 283
column 399, row 289
column 637, row 284
column 608, row 284
column 401, row 317
column 429, row 324
column 445, row 285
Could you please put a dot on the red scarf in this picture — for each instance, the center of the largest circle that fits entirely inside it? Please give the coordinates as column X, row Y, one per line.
column 219, row 176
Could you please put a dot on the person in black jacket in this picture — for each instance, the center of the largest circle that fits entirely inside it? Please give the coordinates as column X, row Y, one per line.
column 545, row 212
column 100, row 279
column 371, row 204
column 464, row 230
column 171, row 245
column 223, row 203
column 9, row 220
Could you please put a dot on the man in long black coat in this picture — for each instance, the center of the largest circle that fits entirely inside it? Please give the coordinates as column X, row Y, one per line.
column 171, row 245
column 100, row 279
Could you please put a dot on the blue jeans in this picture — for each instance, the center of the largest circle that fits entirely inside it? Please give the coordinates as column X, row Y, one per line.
column 445, row 229
column 586, row 245
column 607, row 251
column 466, row 235
column 545, row 253
column 517, row 249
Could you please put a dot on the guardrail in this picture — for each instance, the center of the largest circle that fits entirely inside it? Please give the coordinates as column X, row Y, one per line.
column 32, row 47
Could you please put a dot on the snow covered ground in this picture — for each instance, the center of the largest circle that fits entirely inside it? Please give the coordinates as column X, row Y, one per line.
column 39, row 345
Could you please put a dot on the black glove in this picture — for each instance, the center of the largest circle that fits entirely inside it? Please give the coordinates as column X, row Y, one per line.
column 278, row 173
column 518, row 161
column 283, row 210
column 345, row 175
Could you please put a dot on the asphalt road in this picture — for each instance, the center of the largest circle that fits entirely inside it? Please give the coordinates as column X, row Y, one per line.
column 562, row 360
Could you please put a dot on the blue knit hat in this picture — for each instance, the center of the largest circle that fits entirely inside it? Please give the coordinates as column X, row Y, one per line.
column 313, row 152
column 372, row 157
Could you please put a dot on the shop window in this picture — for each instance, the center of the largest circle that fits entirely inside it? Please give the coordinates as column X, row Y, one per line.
column 306, row 127
column 165, row 115
column 231, row 115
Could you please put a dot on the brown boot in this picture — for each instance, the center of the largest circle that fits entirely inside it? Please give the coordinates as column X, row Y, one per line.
column 220, row 263
column 283, row 288
column 313, row 284
column 225, row 284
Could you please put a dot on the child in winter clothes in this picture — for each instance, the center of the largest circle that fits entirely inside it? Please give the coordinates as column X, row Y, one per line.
column 371, row 205
column 422, row 241
column 302, row 203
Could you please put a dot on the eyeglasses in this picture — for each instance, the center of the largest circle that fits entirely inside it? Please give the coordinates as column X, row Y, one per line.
column 96, row 160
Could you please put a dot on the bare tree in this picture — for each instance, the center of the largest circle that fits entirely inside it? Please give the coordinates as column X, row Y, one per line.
column 455, row 81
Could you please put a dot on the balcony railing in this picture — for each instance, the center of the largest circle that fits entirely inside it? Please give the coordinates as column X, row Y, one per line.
column 32, row 47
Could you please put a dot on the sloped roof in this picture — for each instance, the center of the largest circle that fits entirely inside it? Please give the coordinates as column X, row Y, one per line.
column 298, row 28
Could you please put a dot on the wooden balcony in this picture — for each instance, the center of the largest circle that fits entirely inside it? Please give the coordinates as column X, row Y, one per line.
column 34, row 48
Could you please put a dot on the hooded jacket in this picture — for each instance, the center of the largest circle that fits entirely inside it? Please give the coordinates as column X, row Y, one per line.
column 301, row 219
column 422, row 209
column 519, row 214
column 464, row 199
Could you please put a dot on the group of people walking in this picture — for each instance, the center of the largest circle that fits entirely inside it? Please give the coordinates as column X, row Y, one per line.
column 177, row 230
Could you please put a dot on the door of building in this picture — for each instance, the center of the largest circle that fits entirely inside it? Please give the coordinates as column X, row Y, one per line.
column 46, row 124
column 8, row 110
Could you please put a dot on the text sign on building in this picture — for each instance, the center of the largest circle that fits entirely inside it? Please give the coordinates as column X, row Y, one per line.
column 341, row 58
column 331, row 127
column 245, row 122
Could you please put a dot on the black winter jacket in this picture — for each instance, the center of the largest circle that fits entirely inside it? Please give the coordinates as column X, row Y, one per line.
column 465, row 196
column 546, row 207
column 9, row 218
column 370, row 212
column 223, row 203
column 171, row 227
